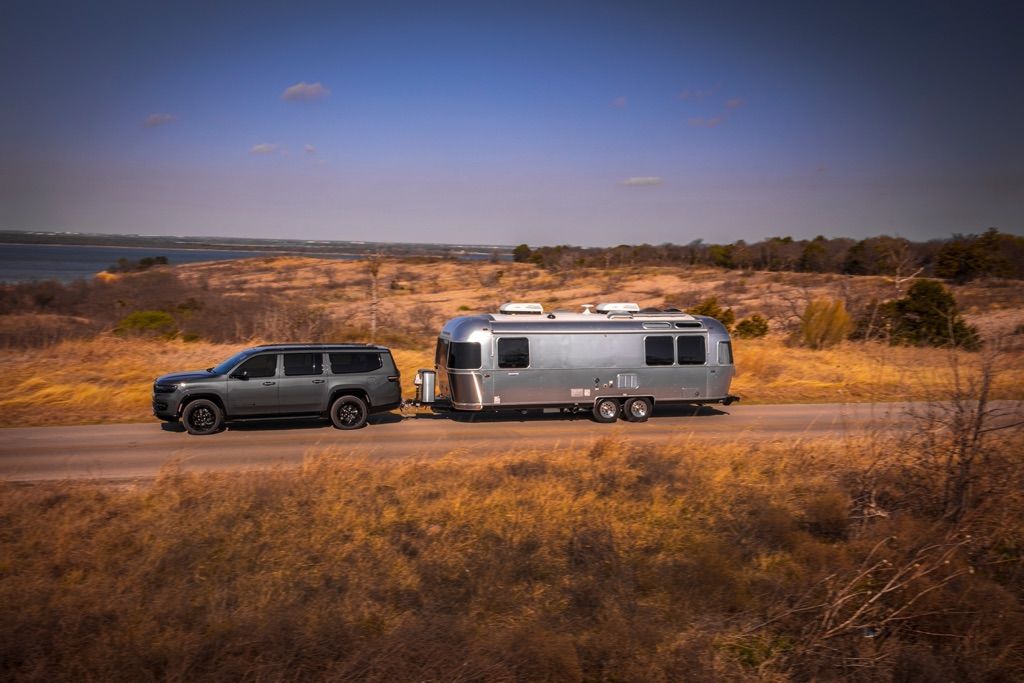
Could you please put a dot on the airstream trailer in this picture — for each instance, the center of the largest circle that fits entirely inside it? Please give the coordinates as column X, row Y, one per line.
column 615, row 360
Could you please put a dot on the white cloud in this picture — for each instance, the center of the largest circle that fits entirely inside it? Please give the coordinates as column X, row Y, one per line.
column 309, row 149
column 264, row 148
column 159, row 119
column 701, row 122
column 305, row 92
column 734, row 103
column 640, row 181
column 618, row 102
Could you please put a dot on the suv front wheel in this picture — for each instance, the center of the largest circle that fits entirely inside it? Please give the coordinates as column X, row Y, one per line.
column 202, row 417
column 349, row 412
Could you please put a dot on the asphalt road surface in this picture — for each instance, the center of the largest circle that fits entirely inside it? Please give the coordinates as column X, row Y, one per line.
column 138, row 451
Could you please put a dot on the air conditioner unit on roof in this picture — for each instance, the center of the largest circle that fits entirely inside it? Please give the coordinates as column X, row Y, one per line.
column 622, row 306
column 514, row 307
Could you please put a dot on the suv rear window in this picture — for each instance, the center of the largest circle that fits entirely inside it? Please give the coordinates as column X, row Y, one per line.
column 297, row 364
column 354, row 361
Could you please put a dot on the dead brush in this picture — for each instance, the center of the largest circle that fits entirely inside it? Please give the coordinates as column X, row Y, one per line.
column 623, row 560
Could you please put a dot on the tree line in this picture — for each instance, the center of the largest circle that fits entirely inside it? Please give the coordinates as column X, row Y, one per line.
column 960, row 259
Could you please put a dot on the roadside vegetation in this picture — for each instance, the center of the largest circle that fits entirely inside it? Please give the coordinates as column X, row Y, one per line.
column 893, row 556
column 88, row 352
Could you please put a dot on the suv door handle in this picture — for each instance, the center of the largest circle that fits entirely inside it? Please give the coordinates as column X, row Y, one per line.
column 267, row 384
column 318, row 381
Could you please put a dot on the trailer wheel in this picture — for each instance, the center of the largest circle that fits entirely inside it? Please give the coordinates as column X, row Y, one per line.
column 637, row 409
column 606, row 410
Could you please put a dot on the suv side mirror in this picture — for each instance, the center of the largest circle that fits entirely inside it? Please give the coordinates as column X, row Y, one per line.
column 240, row 374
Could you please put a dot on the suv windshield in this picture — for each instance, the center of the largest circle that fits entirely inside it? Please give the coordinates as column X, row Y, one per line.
column 226, row 366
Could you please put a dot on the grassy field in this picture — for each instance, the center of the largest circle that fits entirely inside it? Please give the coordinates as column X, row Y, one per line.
column 109, row 379
column 96, row 375
column 897, row 556
column 787, row 561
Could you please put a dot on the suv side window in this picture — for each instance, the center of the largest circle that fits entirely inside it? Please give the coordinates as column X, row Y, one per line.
column 355, row 361
column 260, row 366
column 298, row 364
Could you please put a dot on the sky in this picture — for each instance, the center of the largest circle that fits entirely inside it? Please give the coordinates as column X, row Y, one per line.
column 589, row 123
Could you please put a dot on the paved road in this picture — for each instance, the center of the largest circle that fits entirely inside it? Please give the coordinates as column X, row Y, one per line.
column 128, row 451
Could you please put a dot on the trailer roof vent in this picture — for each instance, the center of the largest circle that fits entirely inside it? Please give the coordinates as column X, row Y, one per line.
column 515, row 307
column 618, row 308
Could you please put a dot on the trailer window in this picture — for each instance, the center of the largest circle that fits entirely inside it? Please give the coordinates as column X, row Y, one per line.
column 359, row 361
column 464, row 356
column 691, row 350
column 513, row 352
column 441, row 353
column 725, row 353
column 659, row 350
column 297, row 364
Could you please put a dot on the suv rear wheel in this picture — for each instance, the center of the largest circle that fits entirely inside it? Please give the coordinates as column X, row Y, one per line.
column 349, row 412
column 202, row 417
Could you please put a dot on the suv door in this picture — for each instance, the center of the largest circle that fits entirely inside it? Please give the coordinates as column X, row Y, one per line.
column 252, row 386
column 302, row 388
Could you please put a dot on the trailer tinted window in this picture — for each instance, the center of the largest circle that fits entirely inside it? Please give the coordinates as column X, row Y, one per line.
column 691, row 350
column 513, row 352
column 464, row 355
column 297, row 364
column 260, row 366
column 357, row 361
column 441, row 353
column 659, row 350
column 725, row 353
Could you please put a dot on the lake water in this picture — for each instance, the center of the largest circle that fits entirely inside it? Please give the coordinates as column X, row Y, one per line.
column 28, row 262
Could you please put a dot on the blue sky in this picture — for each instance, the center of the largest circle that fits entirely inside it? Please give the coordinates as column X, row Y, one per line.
column 588, row 123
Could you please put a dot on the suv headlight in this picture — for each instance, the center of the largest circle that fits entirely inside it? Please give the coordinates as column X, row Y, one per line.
column 164, row 388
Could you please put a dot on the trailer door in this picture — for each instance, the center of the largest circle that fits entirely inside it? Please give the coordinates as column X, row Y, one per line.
column 691, row 365
column 512, row 385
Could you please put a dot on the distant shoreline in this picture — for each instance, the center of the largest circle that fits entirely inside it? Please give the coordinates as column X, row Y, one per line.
column 335, row 248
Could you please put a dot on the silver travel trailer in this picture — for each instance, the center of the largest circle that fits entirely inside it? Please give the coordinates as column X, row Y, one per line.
column 614, row 360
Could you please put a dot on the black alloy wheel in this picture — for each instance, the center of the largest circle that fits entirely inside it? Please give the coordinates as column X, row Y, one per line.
column 349, row 412
column 202, row 417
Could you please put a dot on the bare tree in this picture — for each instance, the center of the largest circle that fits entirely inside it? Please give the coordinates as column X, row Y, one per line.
column 373, row 264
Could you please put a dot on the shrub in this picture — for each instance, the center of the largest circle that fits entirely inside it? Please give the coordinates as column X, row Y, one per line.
column 824, row 323
column 124, row 265
column 148, row 323
column 710, row 307
column 751, row 328
column 927, row 316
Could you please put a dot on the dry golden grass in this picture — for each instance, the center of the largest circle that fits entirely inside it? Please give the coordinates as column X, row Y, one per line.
column 109, row 379
column 429, row 293
column 691, row 561
column 769, row 371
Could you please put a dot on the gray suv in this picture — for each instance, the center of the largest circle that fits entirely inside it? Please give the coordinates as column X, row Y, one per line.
column 345, row 382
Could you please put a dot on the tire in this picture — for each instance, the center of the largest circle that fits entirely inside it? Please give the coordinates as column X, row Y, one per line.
column 202, row 417
column 637, row 410
column 349, row 412
column 606, row 410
